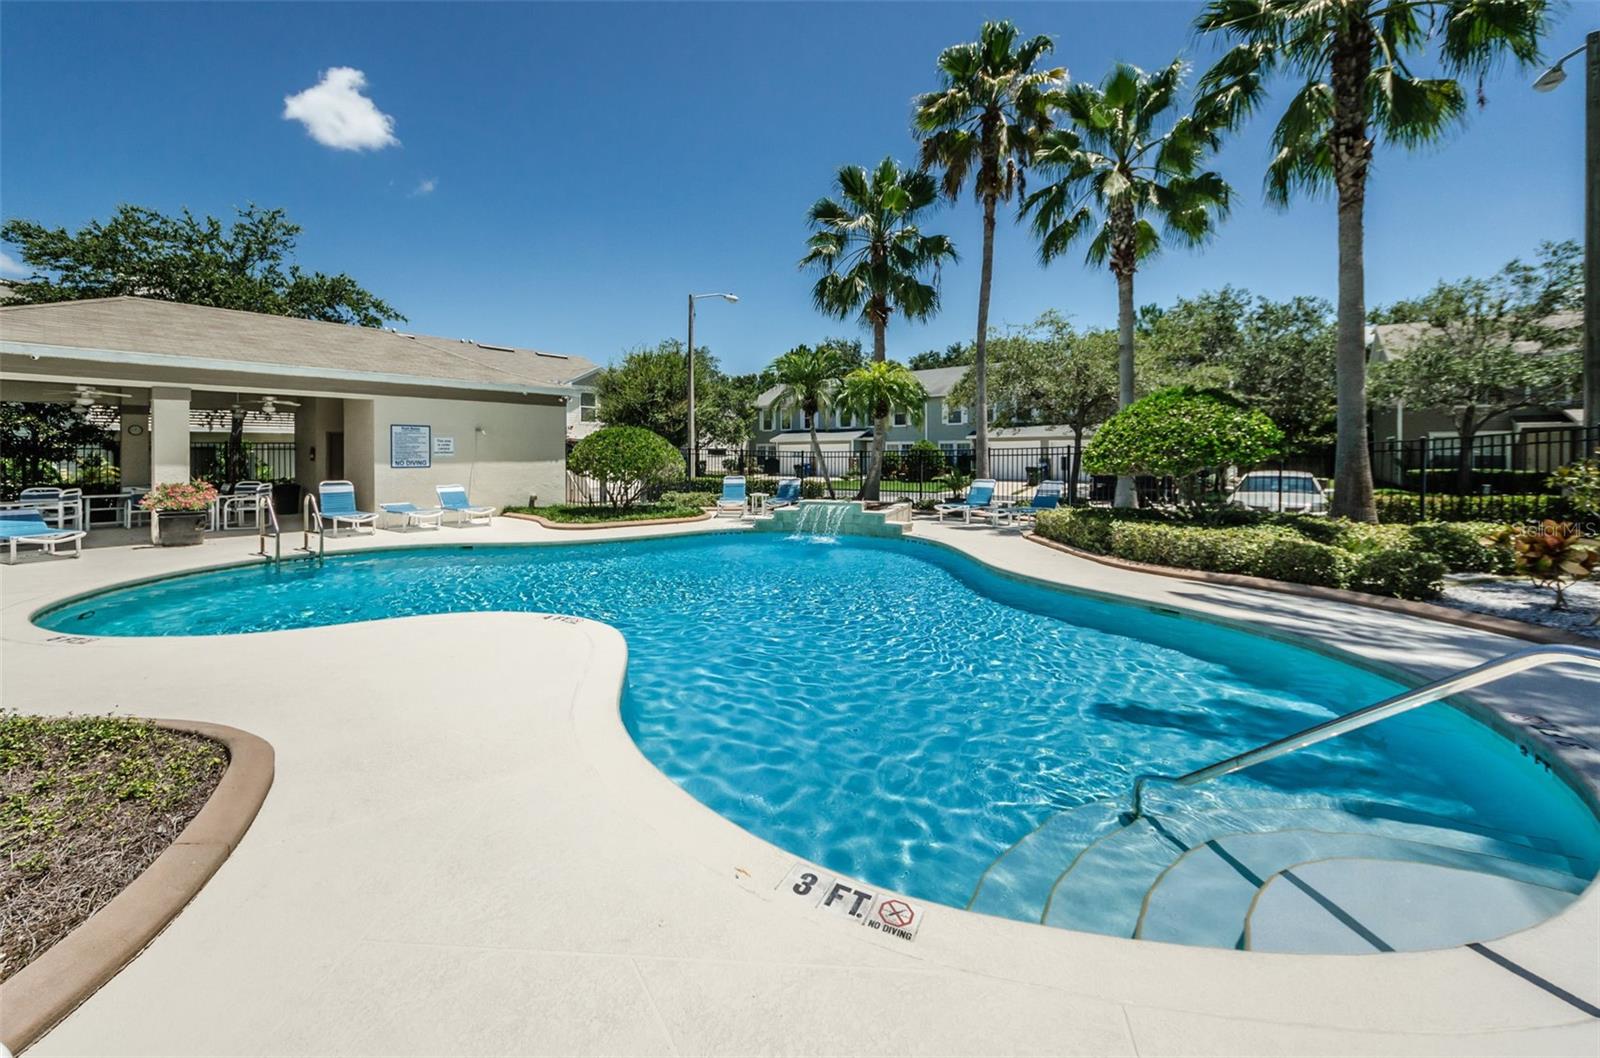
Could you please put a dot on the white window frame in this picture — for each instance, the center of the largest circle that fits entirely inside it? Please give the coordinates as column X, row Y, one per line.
column 588, row 406
column 960, row 415
column 901, row 417
column 766, row 421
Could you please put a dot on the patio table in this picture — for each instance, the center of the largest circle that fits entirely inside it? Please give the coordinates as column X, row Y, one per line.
column 119, row 503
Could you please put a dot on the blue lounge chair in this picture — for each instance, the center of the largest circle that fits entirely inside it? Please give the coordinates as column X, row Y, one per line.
column 26, row 525
column 733, row 498
column 786, row 495
column 336, row 502
column 1047, row 497
column 410, row 515
column 453, row 498
column 980, row 497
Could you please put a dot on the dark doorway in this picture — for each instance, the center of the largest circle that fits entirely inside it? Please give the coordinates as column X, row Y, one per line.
column 335, row 462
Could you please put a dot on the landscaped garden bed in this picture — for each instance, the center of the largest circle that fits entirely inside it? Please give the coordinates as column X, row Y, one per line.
column 595, row 514
column 1403, row 561
column 1519, row 600
column 86, row 804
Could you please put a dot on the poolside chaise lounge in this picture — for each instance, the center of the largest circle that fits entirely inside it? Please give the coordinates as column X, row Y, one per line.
column 27, row 526
column 1046, row 497
column 410, row 515
column 453, row 500
column 980, row 497
column 733, row 498
column 336, row 502
column 787, row 494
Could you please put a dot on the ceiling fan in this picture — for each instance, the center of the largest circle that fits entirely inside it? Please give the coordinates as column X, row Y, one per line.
column 86, row 397
column 270, row 404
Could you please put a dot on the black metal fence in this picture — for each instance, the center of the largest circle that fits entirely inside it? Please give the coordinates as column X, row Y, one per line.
column 1505, row 477
column 263, row 460
column 93, row 468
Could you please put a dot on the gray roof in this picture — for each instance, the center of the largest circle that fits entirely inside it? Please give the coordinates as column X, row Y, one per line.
column 938, row 381
column 823, row 437
column 197, row 332
column 1394, row 340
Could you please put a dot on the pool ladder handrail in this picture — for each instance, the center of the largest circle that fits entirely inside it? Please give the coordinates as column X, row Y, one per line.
column 270, row 512
column 309, row 511
column 1466, row 679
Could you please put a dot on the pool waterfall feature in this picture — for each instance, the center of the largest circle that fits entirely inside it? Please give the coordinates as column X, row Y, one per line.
column 898, row 713
column 834, row 518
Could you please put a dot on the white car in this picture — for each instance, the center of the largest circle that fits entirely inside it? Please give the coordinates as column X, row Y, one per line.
column 1287, row 491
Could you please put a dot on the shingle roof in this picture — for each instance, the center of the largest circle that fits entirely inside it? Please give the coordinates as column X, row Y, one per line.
column 170, row 329
column 1394, row 340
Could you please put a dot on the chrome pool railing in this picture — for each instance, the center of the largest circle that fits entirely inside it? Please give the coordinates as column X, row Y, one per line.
column 269, row 512
column 1466, row 679
column 310, row 511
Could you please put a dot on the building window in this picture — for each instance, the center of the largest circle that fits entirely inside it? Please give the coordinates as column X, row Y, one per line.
column 902, row 417
column 954, row 415
column 765, row 423
column 588, row 407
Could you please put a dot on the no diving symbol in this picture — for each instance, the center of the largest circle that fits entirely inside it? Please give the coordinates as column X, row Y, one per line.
column 896, row 913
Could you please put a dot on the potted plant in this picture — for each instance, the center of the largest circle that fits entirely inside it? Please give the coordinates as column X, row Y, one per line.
column 180, row 511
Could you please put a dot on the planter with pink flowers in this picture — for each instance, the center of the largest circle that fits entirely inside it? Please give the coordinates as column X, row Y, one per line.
column 179, row 512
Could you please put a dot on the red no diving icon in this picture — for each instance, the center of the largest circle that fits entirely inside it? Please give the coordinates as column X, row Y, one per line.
column 896, row 913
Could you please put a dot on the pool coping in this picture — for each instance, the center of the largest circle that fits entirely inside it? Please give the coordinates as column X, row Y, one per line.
column 590, row 526
column 1503, row 626
column 53, row 985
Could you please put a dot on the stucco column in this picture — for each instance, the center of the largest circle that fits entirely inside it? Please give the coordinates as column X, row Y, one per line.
column 169, row 435
column 134, row 446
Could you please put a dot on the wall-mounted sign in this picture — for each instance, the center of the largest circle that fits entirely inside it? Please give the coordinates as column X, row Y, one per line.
column 410, row 446
column 444, row 446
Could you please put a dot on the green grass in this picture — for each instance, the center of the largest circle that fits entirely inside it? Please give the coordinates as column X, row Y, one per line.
column 86, row 804
column 580, row 514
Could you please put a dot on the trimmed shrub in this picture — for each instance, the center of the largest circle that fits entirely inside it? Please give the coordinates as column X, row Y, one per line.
column 1180, row 432
column 1084, row 530
column 627, row 461
column 1302, row 561
column 1460, row 547
column 1403, row 573
column 688, row 499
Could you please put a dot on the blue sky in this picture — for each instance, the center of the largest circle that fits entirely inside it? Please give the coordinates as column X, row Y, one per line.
column 561, row 176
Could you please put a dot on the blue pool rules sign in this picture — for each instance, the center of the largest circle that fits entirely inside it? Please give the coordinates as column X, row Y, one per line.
column 410, row 446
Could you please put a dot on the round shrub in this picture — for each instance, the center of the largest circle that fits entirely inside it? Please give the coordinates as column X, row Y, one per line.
column 1178, row 433
column 1404, row 573
column 1459, row 546
column 626, row 461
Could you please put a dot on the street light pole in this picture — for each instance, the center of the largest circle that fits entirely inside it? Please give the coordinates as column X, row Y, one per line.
column 693, row 438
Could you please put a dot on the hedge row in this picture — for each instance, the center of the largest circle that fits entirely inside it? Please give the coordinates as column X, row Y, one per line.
column 1407, row 562
column 1407, row 507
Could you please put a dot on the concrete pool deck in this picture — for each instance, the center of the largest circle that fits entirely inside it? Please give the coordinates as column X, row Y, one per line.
column 464, row 853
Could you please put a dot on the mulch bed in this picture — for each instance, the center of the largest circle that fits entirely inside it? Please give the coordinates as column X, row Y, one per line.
column 86, row 804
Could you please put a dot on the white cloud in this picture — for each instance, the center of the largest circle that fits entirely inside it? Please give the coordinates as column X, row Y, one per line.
column 15, row 269
column 425, row 187
column 337, row 115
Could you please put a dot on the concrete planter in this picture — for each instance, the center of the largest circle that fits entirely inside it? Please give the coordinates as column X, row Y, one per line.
column 178, row 528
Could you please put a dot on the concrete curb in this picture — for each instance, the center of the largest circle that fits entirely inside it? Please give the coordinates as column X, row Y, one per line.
column 52, row 986
column 1428, row 611
column 606, row 525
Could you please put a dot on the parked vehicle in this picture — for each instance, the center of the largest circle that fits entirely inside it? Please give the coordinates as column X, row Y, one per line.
column 1287, row 491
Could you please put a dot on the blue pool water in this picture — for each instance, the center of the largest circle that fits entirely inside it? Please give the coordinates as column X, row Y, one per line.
column 893, row 710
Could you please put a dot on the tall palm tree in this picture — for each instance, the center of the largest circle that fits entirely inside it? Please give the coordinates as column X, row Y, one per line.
column 810, row 379
column 1127, row 166
column 873, row 391
column 982, row 120
column 1352, row 60
column 876, row 262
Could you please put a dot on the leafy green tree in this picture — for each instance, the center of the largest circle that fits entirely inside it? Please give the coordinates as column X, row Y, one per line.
column 873, row 391
column 1488, row 347
column 650, row 389
column 1127, row 164
column 809, row 379
column 1179, row 433
column 627, row 461
column 956, row 354
column 876, row 261
column 1050, row 373
column 1355, row 63
column 983, row 121
column 34, row 437
column 195, row 260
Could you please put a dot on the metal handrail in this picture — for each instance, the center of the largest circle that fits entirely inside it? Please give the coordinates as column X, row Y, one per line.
column 277, row 532
column 309, row 508
column 1522, row 660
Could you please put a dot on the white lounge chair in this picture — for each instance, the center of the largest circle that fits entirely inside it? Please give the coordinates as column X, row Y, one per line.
column 25, row 525
column 61, row 508
column 412, row 515
column 336, row 502
column 980, row 498
column 453, row 500
column 734, row 499
column 243, row 506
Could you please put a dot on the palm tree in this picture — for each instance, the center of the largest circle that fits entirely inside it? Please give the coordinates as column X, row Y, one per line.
column 984, row 118
column 873, row 391
column 876, row 261
column 809, row 379
column 1353, row 62
column 1126, row 166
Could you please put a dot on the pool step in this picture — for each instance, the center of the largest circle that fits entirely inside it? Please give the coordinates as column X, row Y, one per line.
column 1017, row 884
column 1103, row 889
column 1205, row 896
column 1358, row 906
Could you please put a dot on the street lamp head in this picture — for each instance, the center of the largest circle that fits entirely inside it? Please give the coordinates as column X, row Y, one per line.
column 1550, row 80
column 730, row 297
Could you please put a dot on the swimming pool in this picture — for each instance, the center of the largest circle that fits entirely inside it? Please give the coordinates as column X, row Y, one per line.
column 898, row 713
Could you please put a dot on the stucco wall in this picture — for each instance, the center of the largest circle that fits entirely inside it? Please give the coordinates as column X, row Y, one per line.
column 504, row 452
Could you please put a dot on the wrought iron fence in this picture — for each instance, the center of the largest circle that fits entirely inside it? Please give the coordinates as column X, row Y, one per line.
column 263, row 460
column 1505, row 477
column 92, row 467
